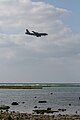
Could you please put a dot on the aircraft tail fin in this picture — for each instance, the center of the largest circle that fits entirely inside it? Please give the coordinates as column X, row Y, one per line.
column 27, row 31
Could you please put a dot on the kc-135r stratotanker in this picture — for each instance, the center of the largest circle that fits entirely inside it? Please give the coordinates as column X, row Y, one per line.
column 37, row 34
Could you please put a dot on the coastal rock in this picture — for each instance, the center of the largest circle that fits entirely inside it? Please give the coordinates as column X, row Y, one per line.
column 69, row 104
column 42, row 111
column 15, row 103
column 35, row 106
column 23, row 102
column 48, row 108
column 42, row 101
column 61, row 109
column 9, row 118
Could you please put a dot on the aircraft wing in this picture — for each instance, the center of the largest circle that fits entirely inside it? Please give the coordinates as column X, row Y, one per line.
column 35, row 32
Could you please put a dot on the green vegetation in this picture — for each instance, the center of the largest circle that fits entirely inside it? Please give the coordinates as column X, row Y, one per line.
column 19, row 87
column 4, row 107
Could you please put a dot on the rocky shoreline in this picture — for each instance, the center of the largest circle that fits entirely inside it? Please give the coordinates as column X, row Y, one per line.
column 37, row 114
column 12, row 115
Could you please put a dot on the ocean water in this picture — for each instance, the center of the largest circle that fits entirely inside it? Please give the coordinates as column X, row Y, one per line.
column 61, row 98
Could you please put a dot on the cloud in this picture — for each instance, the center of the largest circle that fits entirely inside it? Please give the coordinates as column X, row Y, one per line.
column 18, row 49
column 37, row 16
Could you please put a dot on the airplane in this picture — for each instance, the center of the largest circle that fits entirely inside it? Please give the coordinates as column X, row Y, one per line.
column 35, row 33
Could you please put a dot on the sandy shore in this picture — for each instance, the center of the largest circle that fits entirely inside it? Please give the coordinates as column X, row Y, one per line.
column 6, row 115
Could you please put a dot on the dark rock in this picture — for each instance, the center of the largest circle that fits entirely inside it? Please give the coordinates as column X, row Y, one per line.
column 15, row 103
column 61, row 109
column 76, row 112
column 59, row 115
column 7, row 110
column 9, row 118
column 42, row 102
column 42, row 111
column 48, row 108
column 35, row 106
column 69, row 104
column 1, row 111
column 23, row 102
column 53, row 116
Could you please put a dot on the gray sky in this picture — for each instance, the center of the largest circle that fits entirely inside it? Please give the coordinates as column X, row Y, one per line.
column 23, row 58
